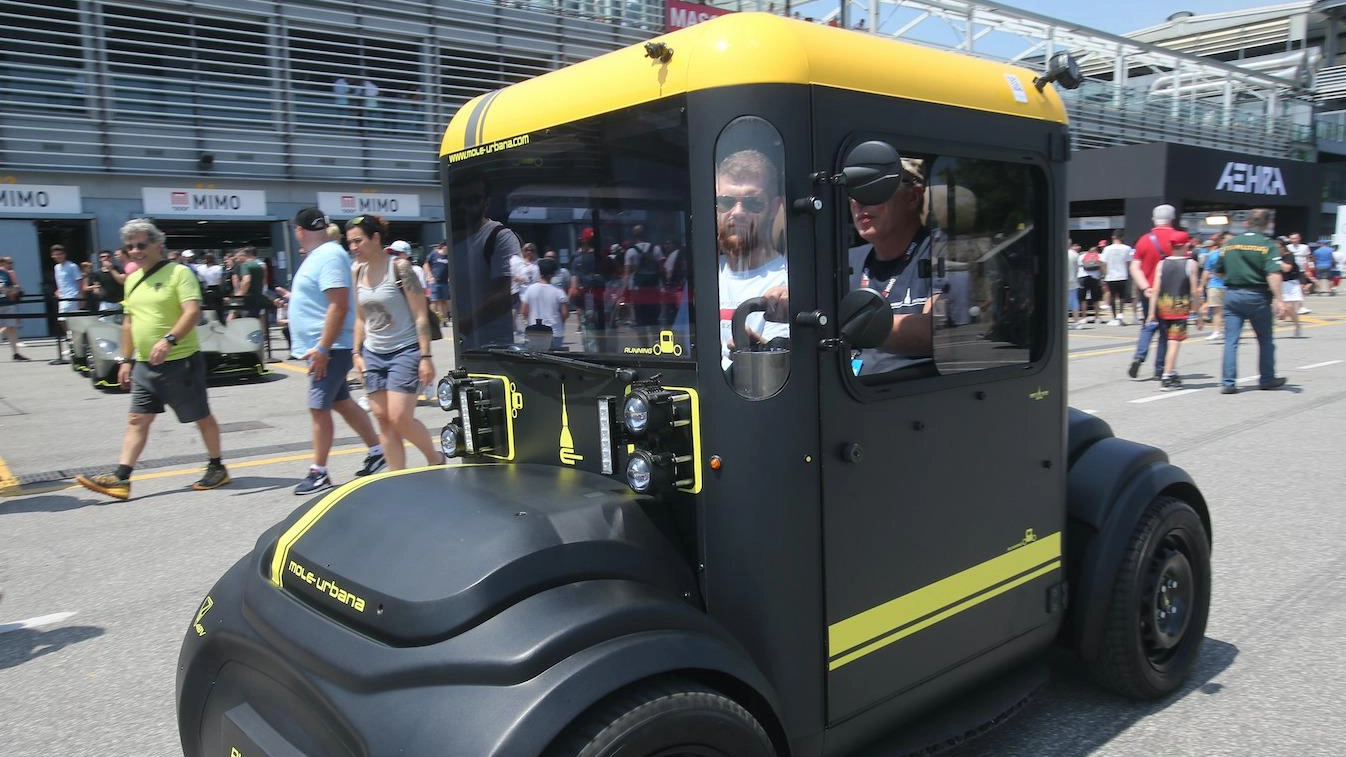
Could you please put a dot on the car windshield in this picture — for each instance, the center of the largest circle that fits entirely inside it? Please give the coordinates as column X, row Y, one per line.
column 574, row 239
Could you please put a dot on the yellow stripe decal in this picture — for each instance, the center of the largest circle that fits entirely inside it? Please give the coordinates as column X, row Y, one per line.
column 877, row 627
column 306, row 521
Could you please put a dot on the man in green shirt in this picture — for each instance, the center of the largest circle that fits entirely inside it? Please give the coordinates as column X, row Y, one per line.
column 163, row 363
column 1251, row 267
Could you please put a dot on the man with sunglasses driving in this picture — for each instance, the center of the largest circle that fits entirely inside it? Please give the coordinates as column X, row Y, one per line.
column 896, row 241
column 747, row 201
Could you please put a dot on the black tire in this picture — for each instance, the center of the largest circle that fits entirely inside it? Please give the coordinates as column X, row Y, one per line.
column 672, row 718
column 1159, row 606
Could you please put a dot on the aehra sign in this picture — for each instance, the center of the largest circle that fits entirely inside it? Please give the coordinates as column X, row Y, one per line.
column 181, row 201
column 1252, row 179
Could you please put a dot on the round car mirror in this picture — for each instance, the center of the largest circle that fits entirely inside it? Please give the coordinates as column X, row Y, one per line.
column 873, row 172
column 866, row 318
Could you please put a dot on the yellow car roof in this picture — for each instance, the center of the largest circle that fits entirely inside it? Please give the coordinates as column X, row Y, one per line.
column 750, row 48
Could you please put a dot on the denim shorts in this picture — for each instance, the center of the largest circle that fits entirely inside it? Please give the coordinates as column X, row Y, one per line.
column 179, row 384
column 330, row 389
column 396, row 371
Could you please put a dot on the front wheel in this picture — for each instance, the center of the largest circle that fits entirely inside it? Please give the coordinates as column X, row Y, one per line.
column 1159, row 605
column 665, row 719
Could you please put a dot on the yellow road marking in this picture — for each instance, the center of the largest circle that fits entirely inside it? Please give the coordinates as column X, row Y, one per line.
column 195, row 470
column 7, row 479
column 292, row 368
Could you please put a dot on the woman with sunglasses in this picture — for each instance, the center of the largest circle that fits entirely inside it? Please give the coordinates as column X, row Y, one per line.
column 392, row 340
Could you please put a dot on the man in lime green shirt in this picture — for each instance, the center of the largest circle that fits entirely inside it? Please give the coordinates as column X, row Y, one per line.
column 163, row 364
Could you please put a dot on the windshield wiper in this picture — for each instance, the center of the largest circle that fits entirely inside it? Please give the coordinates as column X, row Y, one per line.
column 625, row 375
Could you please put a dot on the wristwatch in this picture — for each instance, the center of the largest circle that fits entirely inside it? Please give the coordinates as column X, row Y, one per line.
column 170, row 338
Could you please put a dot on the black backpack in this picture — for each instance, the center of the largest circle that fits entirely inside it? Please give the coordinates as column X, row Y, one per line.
column 647, row 267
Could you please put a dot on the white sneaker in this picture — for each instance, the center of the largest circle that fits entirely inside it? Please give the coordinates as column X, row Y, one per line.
column 1115, row 322
column 1215, row 336
column 363, row 402
column 1304, row 311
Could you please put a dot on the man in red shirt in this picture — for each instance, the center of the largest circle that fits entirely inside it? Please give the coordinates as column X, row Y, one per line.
column 1160, row 242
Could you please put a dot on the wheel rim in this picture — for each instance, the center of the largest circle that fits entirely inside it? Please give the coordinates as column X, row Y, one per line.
column 1170, row 599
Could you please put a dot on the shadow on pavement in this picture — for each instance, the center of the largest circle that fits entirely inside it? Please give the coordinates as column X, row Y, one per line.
column 253, row 484
column 23, row 645
column 1073, row 717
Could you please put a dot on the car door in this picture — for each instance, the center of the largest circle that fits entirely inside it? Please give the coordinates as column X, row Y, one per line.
column 943, row 477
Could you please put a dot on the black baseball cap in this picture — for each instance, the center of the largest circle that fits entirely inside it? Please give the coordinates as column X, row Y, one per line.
column 312, row 219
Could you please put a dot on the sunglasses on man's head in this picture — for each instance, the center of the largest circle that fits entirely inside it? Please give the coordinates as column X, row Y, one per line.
column 750, row 203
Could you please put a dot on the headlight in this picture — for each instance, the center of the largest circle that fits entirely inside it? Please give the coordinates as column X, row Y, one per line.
column 448, row 440
column 255, row 337
column 640, row 471
column 445, row 394
column 636, row 414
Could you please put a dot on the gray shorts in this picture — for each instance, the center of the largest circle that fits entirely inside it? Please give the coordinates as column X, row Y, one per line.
column 331, row 389
column 396, row 371
column 179, row 384
column 5, row 320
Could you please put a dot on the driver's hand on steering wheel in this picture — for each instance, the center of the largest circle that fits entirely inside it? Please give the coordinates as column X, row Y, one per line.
column 777, row 305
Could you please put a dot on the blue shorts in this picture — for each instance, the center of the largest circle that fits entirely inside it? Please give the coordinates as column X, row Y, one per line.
column 396, row 371
column 439, row 292
column 1073, row 299
column 330, row 389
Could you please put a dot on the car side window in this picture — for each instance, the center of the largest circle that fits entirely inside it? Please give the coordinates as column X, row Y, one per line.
column 954, row 253
column 750, row 239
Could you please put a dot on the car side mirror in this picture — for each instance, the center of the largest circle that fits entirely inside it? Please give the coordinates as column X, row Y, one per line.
column 866, row 319
column 872, row 172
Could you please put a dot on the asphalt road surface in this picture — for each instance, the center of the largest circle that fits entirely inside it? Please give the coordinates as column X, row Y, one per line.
column 97, row 594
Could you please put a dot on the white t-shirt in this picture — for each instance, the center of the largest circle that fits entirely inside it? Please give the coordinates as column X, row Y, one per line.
column 544, row 301
column 1117, row 257
column 737, row 286
column 1301, row 252
column 210, row 274
column 1072, row 270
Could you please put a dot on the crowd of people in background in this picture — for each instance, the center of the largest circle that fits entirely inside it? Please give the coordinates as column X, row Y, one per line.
column 1170, row 281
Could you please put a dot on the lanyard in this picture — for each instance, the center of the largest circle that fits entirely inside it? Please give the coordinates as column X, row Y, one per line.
column 888, row 288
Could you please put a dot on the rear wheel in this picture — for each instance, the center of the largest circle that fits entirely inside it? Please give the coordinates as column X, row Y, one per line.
column 1160, row 602
column 665, row 719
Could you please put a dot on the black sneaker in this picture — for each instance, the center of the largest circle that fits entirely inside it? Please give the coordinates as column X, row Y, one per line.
column 374, row 462
column 1170, row 382
column 316, row 481
column 17, row 356
column 1134, row 369
column 215, row 477
column 1276, row 383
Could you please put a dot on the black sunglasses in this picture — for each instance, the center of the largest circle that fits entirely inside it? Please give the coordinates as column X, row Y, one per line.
column 138, row 245
column 750, row 203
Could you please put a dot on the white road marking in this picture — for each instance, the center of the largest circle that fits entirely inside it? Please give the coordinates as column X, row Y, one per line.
column 1181, row 392
column 41, row 620
column 1164, row 396
column 1317, row 365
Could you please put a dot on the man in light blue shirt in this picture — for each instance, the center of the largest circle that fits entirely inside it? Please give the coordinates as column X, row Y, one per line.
column 69, row 286
column 322, row 330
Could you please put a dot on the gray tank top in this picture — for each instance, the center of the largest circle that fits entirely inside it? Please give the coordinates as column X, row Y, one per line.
column 389, row 324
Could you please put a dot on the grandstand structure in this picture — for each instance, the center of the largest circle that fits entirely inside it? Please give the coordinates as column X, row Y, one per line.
column 222, row 117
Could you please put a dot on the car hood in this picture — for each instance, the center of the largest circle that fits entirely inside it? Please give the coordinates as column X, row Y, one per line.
column 414, row 557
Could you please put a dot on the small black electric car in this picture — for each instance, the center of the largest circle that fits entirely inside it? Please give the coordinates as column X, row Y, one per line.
column 776, row 460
